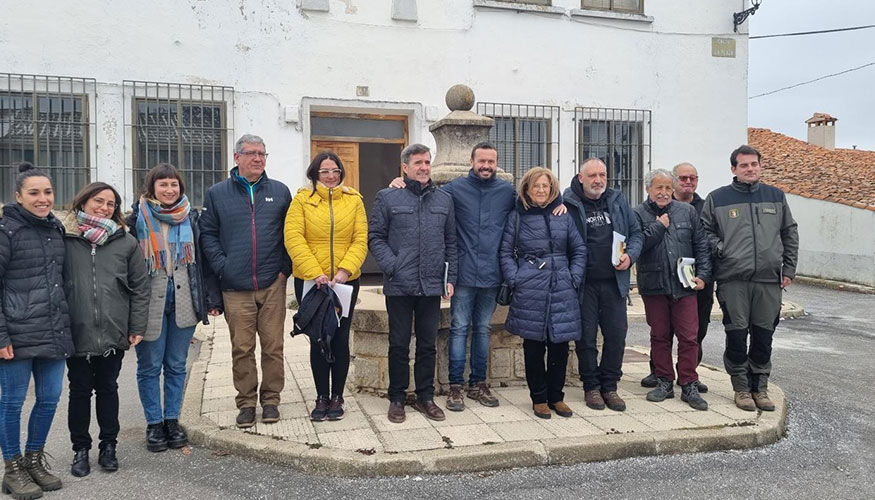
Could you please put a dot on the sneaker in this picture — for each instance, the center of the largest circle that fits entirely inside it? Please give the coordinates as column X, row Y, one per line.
column 594, row 399
column 542, row 410
column 455, row 402
column 561, row 409
column 335, row 408
column 744, row 401
column 482, row 393
column 690, row 394
column 664, row 390
column 762, row 401
column 320, row 412
column 246, row 417
column 650, row 381
column 614, row 401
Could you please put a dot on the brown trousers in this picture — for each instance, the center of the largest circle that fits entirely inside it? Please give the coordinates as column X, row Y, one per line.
column 262, row 311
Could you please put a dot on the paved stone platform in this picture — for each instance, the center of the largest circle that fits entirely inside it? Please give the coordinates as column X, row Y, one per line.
column 365, row 443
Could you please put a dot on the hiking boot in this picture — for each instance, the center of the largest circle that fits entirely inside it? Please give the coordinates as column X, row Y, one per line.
column 156, row 437
column 542, row 410
column 614, row 401
column 37, row 466
column 396, row 412
column 430, row 410
column 320, row 412
column 594, row 399
column 455, row 402
column 762, row 401
column 270, row 414
column 335, row 408
column 80, row 466
column 561, row 408
column 246, row 417
column 690, row 394
column 703, row 389
column 176, row 436
column 650, row 381
column 744, row 401
column 17, row 481
column 107, row 459
column 483, row 394
column 664, row 390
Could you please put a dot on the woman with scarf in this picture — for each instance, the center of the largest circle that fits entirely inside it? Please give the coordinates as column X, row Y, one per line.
column 108, row 294
column 326, row 235
column 543, row 259
column 166, row 226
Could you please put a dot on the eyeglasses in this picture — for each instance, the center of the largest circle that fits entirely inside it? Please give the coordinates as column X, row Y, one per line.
column 688, row 178
column 329, row 172
column 254, row 153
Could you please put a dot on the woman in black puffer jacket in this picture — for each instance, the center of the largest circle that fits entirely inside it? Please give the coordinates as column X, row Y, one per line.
column 108, row 293
column 544, row 264
column 34, row 329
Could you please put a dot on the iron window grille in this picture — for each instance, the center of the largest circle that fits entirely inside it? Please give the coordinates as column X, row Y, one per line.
column 47, row 121
column 620, row 138
column 525, row 135
column 185, row 125
column 630, row 6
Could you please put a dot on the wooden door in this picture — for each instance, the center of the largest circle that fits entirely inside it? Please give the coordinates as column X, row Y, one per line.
column 349, row 155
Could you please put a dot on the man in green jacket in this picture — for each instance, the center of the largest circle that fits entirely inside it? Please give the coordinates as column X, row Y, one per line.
column 754, row 242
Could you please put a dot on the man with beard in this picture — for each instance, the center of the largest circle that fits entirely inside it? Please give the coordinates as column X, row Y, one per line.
column 598, row 212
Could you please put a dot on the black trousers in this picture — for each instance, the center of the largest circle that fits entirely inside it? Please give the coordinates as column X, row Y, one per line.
column 602, row 307
column 705, row 302
column 402, row 310
column 97, row 374
column 331, row 375
column 545, row 383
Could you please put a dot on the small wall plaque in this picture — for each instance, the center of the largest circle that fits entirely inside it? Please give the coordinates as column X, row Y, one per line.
column 722, row 47
column 362, row 91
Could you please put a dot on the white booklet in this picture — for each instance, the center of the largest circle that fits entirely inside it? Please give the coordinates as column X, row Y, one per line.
column 687, row 271
column 343, row 292
column 618, row 248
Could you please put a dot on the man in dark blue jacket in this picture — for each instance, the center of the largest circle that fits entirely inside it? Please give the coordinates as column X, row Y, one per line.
column 599, row 212
column 242, row 239
column 412, row 235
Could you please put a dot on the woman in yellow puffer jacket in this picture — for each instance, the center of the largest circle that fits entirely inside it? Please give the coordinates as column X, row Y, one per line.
column 326, row 235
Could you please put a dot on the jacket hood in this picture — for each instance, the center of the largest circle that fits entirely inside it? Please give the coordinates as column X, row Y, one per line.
column 16, row 211
column 322, row 193
column 571, row 197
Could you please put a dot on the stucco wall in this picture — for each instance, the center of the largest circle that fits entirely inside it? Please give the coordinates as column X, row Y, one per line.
column 835, row 241
column 277, row 56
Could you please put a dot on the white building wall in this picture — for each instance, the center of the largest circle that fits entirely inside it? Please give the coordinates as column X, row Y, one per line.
column 280, row 58
column 835, row 241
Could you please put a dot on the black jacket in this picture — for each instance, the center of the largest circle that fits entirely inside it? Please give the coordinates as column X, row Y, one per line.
column 412, row 233
column 684, row 237
column 34, row 316
column 242, row 232
column 317, row 317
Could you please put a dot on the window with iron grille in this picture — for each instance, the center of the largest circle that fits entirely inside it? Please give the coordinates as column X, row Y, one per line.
column 525, row 135
column 532, row 2
column 184, row 125
column 632, row 6
column 46, row 120
column 621, row 139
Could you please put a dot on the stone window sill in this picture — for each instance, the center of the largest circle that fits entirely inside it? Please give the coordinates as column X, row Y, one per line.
column 519, row 7
column 604, row 14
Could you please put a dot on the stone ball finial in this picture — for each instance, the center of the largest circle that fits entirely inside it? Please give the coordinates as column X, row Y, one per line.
column 460, row 98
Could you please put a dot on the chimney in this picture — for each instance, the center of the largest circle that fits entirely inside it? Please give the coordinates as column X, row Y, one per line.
column 822, row 130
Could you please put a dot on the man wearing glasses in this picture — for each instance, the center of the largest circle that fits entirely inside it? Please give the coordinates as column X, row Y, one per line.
column 242, row 240
column 688, row 181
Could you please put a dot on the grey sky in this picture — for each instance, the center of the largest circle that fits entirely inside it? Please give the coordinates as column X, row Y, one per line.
column 779, row 62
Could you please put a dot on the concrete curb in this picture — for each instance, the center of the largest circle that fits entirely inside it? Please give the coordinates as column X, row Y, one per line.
column 835, row 285
column 314, row 459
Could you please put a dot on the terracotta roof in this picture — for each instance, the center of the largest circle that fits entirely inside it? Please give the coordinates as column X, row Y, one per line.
column 821, row 118
column 844, row 176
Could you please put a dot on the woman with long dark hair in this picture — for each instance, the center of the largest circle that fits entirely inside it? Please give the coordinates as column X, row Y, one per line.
column 166, row 227
column 326, row 235
column 108, row 294
column 34, row 329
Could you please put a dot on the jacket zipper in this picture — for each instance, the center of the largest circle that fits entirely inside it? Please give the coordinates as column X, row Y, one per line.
column 419, row 242
column 753, row 229
column 252, row 225
column 331, row 232
column 94, row 289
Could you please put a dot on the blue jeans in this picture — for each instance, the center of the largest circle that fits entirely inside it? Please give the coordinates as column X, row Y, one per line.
column 470, row 305
column 48, row 376
column 169, row 351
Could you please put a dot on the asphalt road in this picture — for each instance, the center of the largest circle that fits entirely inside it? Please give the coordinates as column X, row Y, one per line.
column 823, row 362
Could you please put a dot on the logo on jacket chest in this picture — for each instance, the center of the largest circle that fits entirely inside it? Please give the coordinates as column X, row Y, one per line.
column 268, row 199
column 733, row 213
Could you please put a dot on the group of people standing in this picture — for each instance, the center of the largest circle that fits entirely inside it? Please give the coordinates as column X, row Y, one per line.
column 84, row 290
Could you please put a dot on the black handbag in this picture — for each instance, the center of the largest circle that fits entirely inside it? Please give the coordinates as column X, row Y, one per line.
column 505, row 292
